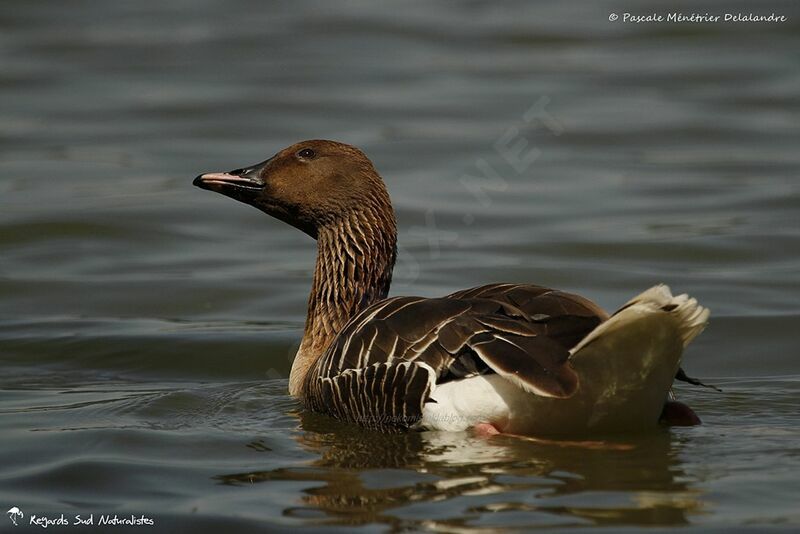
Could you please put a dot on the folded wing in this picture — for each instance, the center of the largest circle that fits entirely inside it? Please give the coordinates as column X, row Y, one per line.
column 383, row 366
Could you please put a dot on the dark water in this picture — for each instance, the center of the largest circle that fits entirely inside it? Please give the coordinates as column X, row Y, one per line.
column 146, row 326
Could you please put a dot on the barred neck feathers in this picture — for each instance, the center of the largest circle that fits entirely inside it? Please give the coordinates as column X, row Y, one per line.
column 355, row 258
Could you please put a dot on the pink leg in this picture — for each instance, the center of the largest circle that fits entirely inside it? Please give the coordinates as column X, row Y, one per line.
column 486, row 430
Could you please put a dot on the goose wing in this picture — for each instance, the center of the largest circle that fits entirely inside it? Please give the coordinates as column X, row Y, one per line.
column 381, row 369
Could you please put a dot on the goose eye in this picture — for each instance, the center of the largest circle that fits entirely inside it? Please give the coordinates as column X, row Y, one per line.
column 306, row 153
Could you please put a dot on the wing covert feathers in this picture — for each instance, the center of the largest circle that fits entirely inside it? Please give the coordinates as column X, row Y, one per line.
column 535, row 363
column 383, row 366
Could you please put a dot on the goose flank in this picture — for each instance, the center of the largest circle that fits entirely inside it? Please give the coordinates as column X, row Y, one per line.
column 513, row 358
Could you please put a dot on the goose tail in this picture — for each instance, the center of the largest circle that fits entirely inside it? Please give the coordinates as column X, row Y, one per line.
column 627, row 364
column 687, row 315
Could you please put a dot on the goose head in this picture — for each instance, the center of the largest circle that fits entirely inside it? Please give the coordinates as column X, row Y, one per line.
column 311, row 185
column 332, row 192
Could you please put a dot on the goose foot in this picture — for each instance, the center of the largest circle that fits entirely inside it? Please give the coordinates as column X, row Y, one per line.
column 678, row 414
column 485, row 430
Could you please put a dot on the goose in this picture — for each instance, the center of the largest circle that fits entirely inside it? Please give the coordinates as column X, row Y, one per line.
column 506, row 358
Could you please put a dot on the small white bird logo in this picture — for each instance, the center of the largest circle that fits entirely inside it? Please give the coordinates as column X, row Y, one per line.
column 15, row 513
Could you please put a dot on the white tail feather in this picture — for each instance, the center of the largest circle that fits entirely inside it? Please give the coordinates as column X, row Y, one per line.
column 691, row 317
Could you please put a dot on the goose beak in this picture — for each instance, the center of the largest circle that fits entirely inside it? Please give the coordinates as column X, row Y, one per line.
column 221, row 182
column 241, row 184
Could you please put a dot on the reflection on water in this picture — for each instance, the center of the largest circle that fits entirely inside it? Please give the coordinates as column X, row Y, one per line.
column 362, row 477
